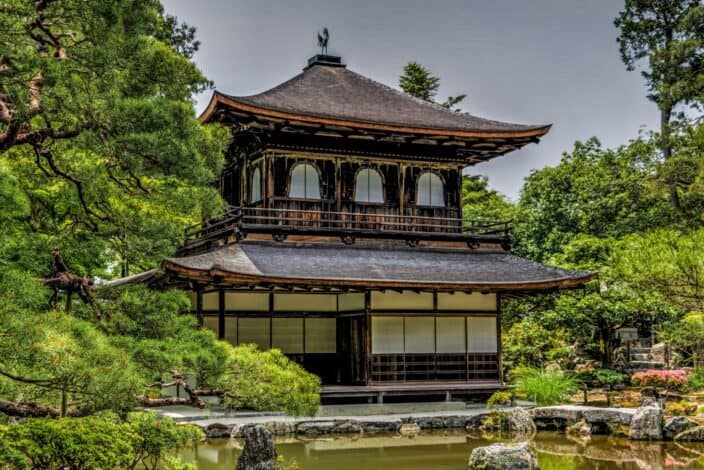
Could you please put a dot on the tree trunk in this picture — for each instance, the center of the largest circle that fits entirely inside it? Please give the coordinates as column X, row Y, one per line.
column 666, row 147
column 34, row 410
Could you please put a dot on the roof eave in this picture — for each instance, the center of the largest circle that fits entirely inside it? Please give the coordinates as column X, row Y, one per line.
column 539, row 285
column 219, row 98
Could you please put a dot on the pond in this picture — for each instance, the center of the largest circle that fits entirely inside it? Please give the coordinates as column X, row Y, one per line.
column 447, row 450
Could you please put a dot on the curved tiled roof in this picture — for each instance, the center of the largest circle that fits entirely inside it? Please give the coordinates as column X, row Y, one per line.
column 319, row 264
column 338, row 94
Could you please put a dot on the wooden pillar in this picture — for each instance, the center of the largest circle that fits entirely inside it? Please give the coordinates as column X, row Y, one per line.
column 367, row 336
column 498, row 338
column 401, row 186
column 338, row 186
column 244, row 186
column 199, row 305
column 221, row 314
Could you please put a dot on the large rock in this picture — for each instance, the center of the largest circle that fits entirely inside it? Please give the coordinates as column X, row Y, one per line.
column 581, row 431
column 561, row 416
column 691, row 435
column 521, row 423
column 503, row 457
column 517, row 421
column 677, row 425
column 218, row 431
column 646, row 424
column 259, row 452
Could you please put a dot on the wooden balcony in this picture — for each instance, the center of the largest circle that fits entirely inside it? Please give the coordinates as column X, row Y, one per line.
column 292, row 217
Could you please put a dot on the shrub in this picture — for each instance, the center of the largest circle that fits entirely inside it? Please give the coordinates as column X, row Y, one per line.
column 57, row 444
column 546, row 387
column 268, row 381
column 610, row 377
column 500, row 397
column 156, row 437
column 681, row 408
column 669, row 379
column 94, row 442
column 695, row 381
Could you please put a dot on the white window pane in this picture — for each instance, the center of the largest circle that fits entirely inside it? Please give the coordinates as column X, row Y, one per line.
column 481, row 334
column 211, row 323
column 321, row 335
column 298, row 182
column 368, row 187
column 256, row 186
column 420, row 335
column 423, row 196
column 287, row 335
column 450, row 335
column 312, row 183
column 437, row 192
column 387, row 335
column 254, row 330
column 362, row 186
column 231, row 330
column 376, row 188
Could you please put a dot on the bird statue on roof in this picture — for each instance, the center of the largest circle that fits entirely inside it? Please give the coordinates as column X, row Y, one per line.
column 323, row 41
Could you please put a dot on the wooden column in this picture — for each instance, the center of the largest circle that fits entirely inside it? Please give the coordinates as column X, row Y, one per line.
column 367, row 336
column 401, row 186
column 338, row 186
column 199, row 305
column 499, row 359
column 221, row 314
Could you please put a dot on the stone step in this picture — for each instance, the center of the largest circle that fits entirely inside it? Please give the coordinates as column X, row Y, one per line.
column 644, row 365
column 640, row 350
column 640, row 357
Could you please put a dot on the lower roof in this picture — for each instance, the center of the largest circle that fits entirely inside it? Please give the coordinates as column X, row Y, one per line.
column 311, row 265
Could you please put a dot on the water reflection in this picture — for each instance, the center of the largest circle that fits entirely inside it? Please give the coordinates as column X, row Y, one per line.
column 451, row 449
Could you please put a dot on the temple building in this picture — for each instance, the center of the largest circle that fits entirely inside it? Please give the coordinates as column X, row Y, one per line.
column 346, row 245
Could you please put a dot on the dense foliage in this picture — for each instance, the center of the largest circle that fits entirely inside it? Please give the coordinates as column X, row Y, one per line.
column 269, row 381
column 101, row 155
column 97, row 442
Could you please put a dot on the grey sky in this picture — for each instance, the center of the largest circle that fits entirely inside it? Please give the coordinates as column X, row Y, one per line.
column 523, row 61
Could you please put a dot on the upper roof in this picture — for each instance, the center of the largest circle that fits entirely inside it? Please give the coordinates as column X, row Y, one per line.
column 329, row 93
column 259, row 262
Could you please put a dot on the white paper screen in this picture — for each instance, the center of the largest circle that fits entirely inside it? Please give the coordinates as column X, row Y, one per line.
column 387, row 335
column 287, row 335
column 450, row 335
column 481, row 334
column 254, row 330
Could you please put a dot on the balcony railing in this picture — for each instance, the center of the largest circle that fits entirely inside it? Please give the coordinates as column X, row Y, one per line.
column 282, row 222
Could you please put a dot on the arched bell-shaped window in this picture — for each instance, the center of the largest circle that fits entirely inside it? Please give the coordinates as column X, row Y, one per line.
column 256, row 192
column 368, row 186
column 430, row 191
column 305, row 182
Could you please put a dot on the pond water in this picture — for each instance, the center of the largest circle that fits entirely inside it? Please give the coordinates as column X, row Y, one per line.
column 447, row 450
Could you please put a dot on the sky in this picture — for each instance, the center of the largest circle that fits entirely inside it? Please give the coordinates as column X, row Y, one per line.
column 532, row 62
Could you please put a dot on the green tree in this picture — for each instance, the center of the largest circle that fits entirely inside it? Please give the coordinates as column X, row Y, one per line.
column 417, row 81
column 480, row 202
column 668, row 262
column 98, row 132
column 669, row 34
column 593, row 191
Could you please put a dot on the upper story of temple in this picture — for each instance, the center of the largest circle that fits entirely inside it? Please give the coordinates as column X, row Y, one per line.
column 333, row 153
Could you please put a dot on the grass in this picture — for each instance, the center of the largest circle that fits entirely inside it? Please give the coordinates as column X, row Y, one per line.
column 546, row 387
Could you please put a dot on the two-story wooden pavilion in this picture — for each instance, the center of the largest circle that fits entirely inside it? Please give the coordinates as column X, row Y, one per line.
column 346, row 245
